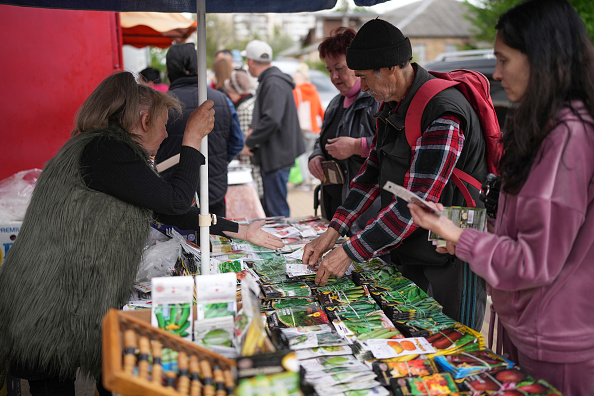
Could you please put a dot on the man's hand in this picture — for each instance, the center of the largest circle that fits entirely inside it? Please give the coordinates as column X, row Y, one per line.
column 335, row 264
column 315, row 167
column 343, row 147
column 314, row 250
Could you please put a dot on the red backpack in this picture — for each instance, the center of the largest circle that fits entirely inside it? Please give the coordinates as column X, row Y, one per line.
column 475, row 87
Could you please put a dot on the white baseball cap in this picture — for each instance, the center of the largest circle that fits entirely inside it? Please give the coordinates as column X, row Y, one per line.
column 258, row 51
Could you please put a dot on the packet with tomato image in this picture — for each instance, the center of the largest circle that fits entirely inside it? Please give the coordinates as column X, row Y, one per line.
column 507, row 382
column 386, row 370
column 435, row 384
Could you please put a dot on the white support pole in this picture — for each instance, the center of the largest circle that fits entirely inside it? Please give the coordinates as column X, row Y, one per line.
column 201, row 53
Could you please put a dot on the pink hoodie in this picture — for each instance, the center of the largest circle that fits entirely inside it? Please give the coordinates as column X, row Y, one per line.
column 540, row 261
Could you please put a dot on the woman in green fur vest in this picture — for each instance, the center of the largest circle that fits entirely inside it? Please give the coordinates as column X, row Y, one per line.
column 82, row 238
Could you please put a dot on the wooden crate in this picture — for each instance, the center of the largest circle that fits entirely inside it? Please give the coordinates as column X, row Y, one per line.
column 126, row 371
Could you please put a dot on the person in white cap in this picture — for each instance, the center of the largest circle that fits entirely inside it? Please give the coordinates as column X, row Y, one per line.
column 274, row 139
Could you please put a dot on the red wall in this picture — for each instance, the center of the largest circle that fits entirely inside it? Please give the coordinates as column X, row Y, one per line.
column 50, row 62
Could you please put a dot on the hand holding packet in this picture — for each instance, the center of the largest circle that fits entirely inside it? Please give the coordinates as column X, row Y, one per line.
column 409, row 196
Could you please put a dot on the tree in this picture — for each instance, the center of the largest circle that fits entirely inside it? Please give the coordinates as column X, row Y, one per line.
column 485, row 14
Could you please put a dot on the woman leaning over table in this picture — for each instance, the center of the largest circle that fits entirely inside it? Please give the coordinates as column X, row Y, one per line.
column 539, row 262
column 84, row 231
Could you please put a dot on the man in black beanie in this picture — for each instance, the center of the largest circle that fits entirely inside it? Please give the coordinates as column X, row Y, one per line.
column 452, row 137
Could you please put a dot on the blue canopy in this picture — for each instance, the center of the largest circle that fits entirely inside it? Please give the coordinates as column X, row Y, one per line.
column 212, row 6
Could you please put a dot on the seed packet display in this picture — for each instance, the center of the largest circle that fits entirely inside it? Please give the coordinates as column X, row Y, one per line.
column 435, row 384
column 386, row 370
column 464, row 364
column 215, row 310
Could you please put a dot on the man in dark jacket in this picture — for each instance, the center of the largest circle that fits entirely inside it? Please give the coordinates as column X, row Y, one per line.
column 452, row 137
column 226, row 139
column 275, row 138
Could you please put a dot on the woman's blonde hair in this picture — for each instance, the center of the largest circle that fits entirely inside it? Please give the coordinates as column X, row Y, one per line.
column 120, row 99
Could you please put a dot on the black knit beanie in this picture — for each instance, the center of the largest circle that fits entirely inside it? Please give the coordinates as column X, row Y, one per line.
column 378, row 44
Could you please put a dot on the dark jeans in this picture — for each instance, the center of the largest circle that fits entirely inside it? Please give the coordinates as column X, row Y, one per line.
column 275, row 193
column 42, row 384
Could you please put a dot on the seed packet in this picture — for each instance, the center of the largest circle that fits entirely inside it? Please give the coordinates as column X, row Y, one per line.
column 355, row 328
column 354, row 310
column 386, row 349
column 296, row 317
column 215, row 310
column 340, row 297
column 287, row 289
column 509, row 379
column 352, row 382
column 425, row 327
column 289, row 302
column 328, row 365
column 463, row 217
column 464, row 364
column 434, row 384
column 172, row 304
column 386, row 370
column 457, row 338
column 310, row 353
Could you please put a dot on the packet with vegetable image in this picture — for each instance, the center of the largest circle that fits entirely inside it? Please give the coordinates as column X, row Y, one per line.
column 215, row 311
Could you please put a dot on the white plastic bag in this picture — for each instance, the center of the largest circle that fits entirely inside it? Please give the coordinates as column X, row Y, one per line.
column 15, row 194
column 158, row 260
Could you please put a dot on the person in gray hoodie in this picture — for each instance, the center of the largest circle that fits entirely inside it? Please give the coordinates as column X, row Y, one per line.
column 274, row 139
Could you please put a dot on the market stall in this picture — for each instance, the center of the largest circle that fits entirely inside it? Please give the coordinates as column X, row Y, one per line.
column 261, row 319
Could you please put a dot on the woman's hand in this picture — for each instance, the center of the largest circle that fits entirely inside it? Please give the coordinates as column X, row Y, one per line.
column 343, row 147
column 439, row 224
column 253, row 233
column 200, row 124
column 315, row 167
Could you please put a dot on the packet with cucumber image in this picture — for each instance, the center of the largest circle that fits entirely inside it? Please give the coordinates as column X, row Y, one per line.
column 215, row 311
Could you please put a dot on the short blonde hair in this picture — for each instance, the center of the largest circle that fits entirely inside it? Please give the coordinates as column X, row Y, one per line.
column 121, row 99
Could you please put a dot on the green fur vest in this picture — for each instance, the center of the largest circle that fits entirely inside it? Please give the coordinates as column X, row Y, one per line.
column 75, row 257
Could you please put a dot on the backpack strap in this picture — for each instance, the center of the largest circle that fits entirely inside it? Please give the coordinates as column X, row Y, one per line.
column 457, row 177
column 412, row 121
column 412, row 128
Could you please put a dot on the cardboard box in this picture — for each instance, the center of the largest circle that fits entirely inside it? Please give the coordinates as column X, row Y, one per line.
column 8, row 233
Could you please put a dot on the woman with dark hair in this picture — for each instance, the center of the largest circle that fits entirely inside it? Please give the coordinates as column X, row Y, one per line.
column 538, row 262
column 347, row 130
column 85, row 229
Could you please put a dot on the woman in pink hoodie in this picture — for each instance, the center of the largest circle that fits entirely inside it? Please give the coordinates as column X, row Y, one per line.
column 539, row 262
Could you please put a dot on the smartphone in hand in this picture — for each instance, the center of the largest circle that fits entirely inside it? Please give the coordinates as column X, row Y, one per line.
column 409, row 196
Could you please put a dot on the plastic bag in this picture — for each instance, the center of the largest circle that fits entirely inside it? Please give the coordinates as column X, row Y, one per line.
column 158, row 260
column 15, row 194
